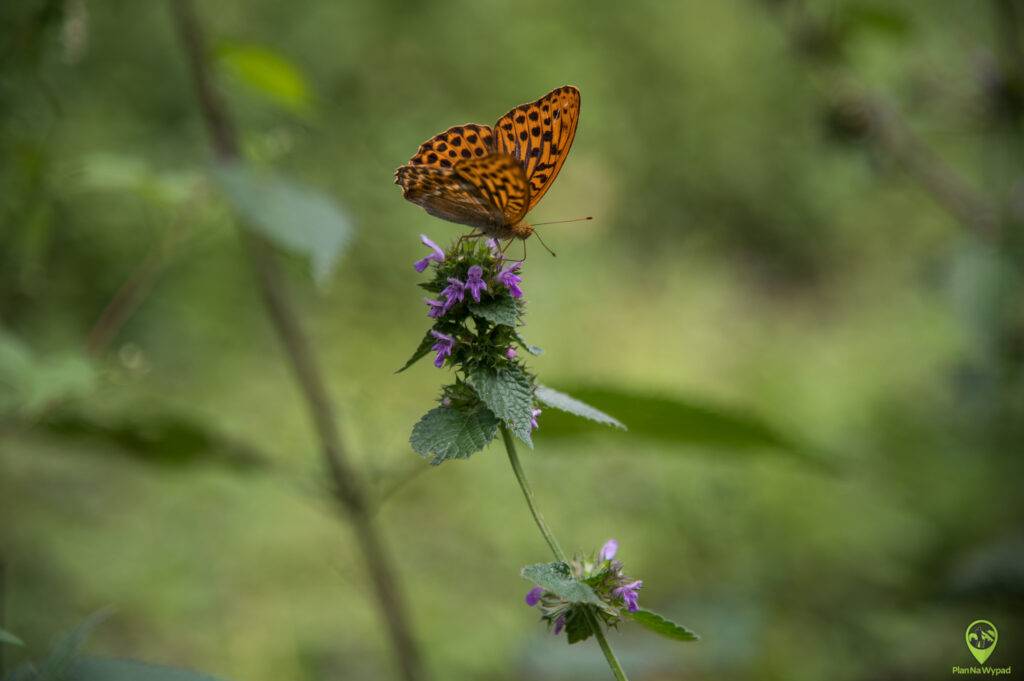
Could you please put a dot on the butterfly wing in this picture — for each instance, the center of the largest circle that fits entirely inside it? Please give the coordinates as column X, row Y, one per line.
column 455, row 144
column 539, row 136
column 444, row 194
column 501, row 180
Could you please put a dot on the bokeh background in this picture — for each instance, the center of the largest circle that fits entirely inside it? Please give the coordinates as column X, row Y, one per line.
column 806, row 247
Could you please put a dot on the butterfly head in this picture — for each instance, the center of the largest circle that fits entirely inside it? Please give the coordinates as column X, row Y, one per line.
column 522, row 230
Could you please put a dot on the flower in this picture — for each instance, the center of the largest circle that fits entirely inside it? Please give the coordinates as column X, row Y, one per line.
column 533, row 419
column 475, row 282
column 559, row 625
column 629, row 594
column 436, row 308
column 443, row 347
column 511, row 353
column 495, row 249
column 533, row 596
column 609, row 550
column 437, row 255
column 510, row 280
column 454, row 293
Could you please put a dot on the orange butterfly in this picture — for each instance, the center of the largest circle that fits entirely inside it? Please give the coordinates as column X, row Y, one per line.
column 490, row 178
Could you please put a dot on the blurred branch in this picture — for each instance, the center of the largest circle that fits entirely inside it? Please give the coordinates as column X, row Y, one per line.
column 348, row 490
column 3, row 607
column 868, row 117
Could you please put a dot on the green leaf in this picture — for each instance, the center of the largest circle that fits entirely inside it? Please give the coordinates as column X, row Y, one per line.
column 509, row 395
column 577, row 628
column 8, row 637
column 422, row 351
column 63, row 654
column 501, row 310
column 661, row 625
column 293, row 216
column 166, row 439
column 571, row 405
column 556, row 578
column 105, row 669
column 453, row 432
column 681, row 422
column 104, row 171
column 29, row 384
column 269, row 73
column 532, row 349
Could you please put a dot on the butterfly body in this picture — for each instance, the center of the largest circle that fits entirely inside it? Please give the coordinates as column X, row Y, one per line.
column 490, row 177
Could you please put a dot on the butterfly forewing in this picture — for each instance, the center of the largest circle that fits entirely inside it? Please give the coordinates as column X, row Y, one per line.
column 455, row 144
column 501, row 179
column 444, row 194
column 539, row 135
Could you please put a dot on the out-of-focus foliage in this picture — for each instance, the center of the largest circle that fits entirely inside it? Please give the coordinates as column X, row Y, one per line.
column 761, row 277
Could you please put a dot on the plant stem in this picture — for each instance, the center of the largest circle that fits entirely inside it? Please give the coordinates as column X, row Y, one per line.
column 524, row 484
column 556, row 549
column 348, row 489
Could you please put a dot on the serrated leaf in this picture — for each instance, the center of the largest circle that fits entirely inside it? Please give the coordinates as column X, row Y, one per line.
column 571, row 405
column 9, row 638
column 106, row 669
column 556, row 578
column 269, row 73
column 291, row 215
column 422, row 351
column 532, row 349
column 577, row 625
column 662, row 625
column 453, row 432
column 64, row 652
column 501, row 310
column 508, row 393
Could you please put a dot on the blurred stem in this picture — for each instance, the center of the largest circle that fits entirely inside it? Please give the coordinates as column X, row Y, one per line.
column 3, row 607
column 556, row 549
column 348, row 490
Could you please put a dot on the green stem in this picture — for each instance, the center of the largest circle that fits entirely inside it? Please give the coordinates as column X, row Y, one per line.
column 549, row 537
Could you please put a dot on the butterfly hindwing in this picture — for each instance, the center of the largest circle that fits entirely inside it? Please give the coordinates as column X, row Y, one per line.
column 455, row 144
column 501, row 179
column 539, row 135
column 444, row 194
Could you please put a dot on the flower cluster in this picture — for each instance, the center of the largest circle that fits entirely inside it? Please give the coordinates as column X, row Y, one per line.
column 604, row 575
column 475, row 304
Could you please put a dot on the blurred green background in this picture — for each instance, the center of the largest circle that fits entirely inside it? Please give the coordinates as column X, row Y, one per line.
column 761, row 246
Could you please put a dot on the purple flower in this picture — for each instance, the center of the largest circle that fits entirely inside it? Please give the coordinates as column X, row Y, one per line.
column 436, row 308
column 609, row 550
column 533, row 419
column 511, row 280
column 559, row 625
column 437, row 255
column 495, row 249
column 533, row 596
column 511, row 353
column 443, row 347
column 454, row 293
column 629, row 594
column 475, row 282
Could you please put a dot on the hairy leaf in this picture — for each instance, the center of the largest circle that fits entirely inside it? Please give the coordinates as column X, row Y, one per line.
column 662, row 625
column 558, row 400
column 509, row 395
column 453, row 432
column 556, row 578
column 532, row 349
column 577, row 626
column 501, row 310
column 291, row 215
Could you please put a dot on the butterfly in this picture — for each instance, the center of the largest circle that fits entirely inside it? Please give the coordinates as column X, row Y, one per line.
column 489, row 177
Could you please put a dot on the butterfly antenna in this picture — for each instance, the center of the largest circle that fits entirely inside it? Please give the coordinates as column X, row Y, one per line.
column 553, row 254
column 558, row 222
